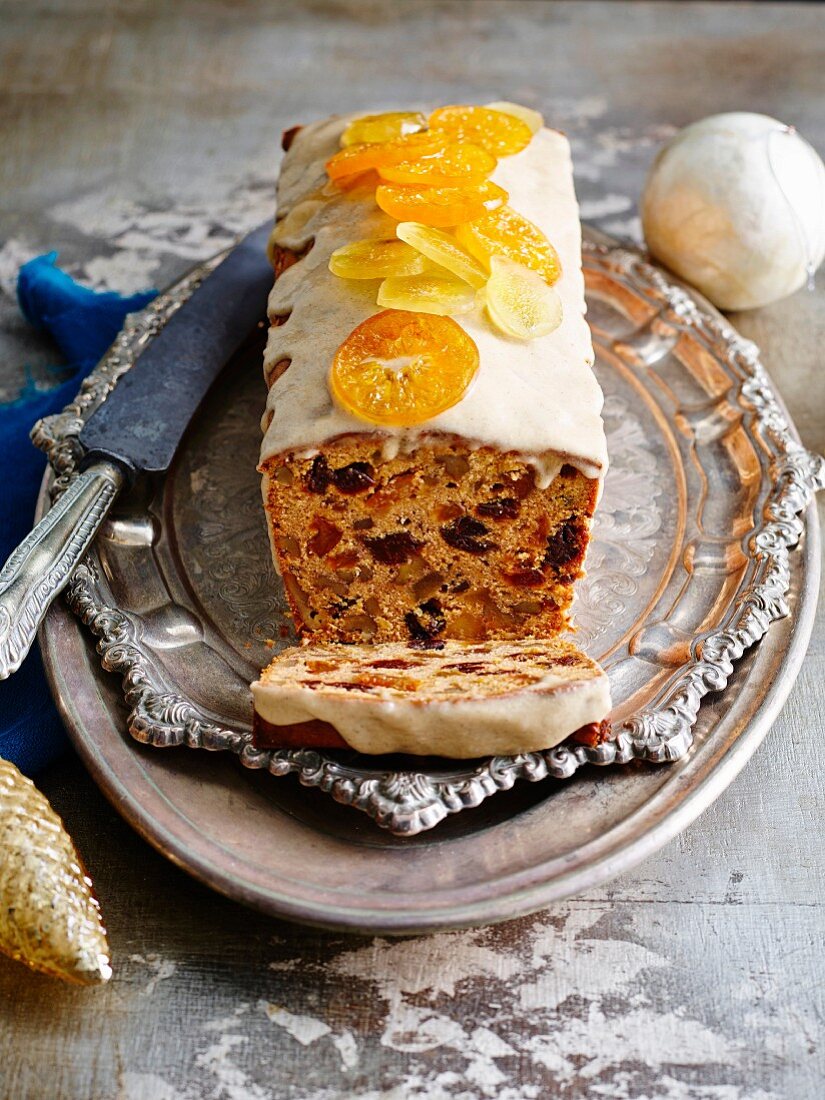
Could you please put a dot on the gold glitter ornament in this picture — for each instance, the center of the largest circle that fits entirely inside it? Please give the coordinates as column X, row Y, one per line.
column 49, row 918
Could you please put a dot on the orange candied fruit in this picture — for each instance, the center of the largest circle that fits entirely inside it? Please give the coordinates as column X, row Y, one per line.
column 451, row 166
column 353, row 159
column 383, row 127
column 440, row 206
column 499, row 133
column 505, row 232
column 398, row 368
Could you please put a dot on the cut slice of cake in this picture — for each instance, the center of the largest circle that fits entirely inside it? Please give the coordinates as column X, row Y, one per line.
column 462, row 701
column 467, row 516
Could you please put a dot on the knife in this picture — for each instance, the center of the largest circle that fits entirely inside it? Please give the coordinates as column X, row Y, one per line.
column 136, row 430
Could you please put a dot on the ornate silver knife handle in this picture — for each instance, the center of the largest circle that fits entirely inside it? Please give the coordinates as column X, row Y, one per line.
column 41, row 565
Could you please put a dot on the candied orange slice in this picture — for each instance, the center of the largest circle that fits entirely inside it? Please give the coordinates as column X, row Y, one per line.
column 439, row 206
column 504, row 232
column 500, row 134
column 443, row 249
column 364, row 156
column 439, row 294
column 376, row 259
column 451, row 166
column 533, row 119
column 399, row 368
column 519, row 301
column 383, row 127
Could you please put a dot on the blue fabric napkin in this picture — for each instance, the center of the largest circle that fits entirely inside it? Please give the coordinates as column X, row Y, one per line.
column 83, row 323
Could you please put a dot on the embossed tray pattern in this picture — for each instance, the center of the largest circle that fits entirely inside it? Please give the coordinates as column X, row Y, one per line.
column 689, row 565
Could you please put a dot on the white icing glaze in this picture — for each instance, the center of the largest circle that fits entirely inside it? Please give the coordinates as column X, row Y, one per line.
column 519, row 720
column 538, row 398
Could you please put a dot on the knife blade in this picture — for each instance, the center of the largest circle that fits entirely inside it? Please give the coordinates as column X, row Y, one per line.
column 137, row 429
column 140, row 424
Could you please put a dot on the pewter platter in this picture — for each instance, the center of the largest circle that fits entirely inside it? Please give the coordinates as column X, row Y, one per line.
column 699, row 601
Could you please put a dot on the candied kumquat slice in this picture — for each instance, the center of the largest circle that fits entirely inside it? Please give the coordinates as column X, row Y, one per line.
column 366, row 155
column 439, row 294
column 399, row 368
column 499, row 133
column 443, row 249
column 519, row 301
column 533, row 119
column 451, row 166
column 376, row 259
column 383, row 127
column 439, row 206
column 505, row 232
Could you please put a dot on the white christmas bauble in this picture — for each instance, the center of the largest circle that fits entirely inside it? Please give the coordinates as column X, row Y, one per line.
column 735, row 205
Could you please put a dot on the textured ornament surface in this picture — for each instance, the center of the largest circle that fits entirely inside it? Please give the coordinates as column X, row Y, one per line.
column 49, row 918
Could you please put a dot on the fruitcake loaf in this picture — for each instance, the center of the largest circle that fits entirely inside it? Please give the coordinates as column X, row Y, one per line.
column 430, row 468
column 461, row 701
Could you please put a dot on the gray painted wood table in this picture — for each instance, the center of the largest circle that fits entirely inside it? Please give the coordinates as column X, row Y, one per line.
column 137, row 137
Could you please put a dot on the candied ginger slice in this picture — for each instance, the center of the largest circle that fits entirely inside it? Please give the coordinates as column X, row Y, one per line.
column 384, row 127
column 519, row 302
column 443, row 249
column 377, row 258
column 439, row 294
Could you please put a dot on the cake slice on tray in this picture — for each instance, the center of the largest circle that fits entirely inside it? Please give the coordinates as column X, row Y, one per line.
column 460, row 701
column 433, row 446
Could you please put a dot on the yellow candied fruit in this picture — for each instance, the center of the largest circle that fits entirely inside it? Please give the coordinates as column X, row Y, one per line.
column 519, row 302
column 399, row 368
column 443, row 249
column 439, row 206
column 384, row 127
column 532, row 118
column 504, row 232
column 451, row 166
column 359, row 158
column 439, row 294
column 499, row 133
column 376, row 258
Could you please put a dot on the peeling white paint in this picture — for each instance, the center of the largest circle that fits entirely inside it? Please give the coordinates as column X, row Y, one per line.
column 306, row 1029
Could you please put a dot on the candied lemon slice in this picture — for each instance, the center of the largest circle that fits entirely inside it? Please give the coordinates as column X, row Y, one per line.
column 384, row 127
column 400, row 368
column 440, row 294
column 499, row 133
column 505, row 232
column 439, row 206
column 364, row 156
column 520, row 302
column 376, row 258
column 451, row 166
column 443, row 249
column 533, row 119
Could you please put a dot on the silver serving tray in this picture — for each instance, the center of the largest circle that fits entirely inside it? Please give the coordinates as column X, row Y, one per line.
column 692, row 562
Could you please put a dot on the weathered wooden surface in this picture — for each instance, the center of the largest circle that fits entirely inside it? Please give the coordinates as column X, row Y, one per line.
column 136, row 136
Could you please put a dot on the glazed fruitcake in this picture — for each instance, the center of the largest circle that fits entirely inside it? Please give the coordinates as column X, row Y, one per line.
column 461, row 701
column 433, row 446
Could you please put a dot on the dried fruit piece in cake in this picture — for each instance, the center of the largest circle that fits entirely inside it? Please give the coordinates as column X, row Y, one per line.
column 505, row 232
column 383, row 127
column 355, row 159
column 438, row 294
column 500, row 134
column 443, row 249
column 519, row 301
column 532, row 118
column 452, row 166
column 401, row 368
column 460, row 701
column 377, row 258
column 440, row 206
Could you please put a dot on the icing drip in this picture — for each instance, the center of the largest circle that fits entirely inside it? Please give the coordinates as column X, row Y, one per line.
column 539, row 399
